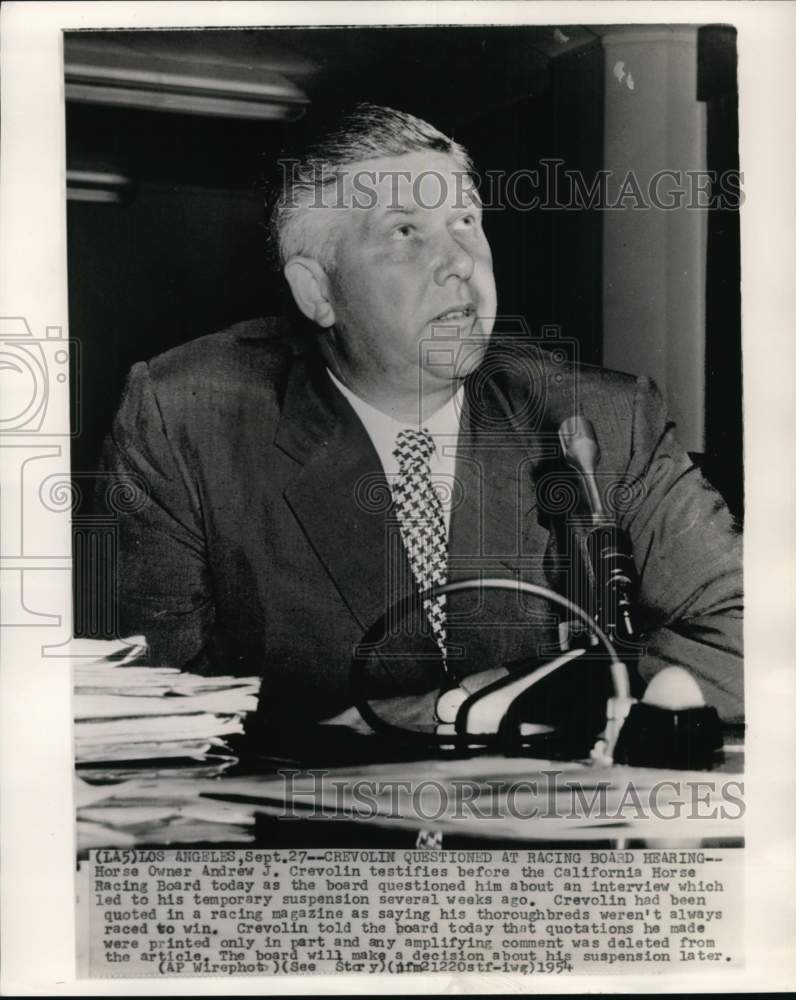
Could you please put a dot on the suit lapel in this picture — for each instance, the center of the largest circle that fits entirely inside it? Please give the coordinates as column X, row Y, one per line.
column 495, row 531
column 497, row 465
column 340, row 495
column 342, row 500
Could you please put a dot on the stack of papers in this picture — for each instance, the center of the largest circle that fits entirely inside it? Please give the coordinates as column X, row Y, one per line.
column 145, row 738
column 158, row 810
column 125, row 712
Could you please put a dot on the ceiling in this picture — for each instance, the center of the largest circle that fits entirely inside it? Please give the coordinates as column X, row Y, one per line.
column 212, row 106
column 459, row 70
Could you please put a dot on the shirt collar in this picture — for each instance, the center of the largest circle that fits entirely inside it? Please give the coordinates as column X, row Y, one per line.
column 442, row 425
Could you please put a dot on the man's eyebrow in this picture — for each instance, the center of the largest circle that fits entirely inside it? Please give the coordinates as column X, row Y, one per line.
column 399, row 210
column 468, row 202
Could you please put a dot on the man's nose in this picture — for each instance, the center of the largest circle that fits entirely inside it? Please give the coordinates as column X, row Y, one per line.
column 453, row 259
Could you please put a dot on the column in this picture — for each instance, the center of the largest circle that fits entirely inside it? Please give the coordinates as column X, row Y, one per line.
column 654, row 258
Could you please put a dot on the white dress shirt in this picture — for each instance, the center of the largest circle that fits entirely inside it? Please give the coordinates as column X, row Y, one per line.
column 443, row 426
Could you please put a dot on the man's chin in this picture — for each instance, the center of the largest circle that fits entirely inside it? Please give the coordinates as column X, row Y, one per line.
column 453, row 354
column 470, row 355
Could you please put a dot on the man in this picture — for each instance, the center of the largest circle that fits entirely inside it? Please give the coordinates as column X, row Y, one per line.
column 302, row 478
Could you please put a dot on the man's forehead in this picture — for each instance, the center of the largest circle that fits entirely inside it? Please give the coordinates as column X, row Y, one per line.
column 409, row 182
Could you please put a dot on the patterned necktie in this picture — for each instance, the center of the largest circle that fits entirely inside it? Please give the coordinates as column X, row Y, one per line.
column 422, row 523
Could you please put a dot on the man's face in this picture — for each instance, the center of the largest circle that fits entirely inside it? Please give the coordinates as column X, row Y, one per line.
column 412, row 265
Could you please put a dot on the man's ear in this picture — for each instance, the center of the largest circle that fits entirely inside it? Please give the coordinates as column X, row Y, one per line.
column 309, row 284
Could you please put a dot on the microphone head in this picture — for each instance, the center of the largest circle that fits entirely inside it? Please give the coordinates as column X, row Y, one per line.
column 579, row 443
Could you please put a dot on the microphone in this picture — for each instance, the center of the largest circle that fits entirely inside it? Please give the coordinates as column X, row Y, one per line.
column 672, row 726
column 581, row 451
column 609, row 551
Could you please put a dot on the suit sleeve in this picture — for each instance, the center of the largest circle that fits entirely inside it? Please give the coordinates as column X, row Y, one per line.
column 163, row 583
column 688, row 552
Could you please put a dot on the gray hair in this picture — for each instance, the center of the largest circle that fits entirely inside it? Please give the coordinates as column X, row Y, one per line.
column 368, row 131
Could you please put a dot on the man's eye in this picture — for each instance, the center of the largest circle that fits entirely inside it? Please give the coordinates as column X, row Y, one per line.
column 466, row 222
column 403, row 232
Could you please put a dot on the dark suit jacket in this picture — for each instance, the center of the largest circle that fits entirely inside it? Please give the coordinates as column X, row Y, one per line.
column 263, row 539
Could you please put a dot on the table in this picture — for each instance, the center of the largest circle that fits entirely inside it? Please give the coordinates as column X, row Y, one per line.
column 477, row 799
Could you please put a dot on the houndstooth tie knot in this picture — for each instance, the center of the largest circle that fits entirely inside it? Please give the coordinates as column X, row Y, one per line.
column 422, row 522
column 414, row 448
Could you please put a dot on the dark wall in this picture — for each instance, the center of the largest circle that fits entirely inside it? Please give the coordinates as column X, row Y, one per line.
column 181, row 257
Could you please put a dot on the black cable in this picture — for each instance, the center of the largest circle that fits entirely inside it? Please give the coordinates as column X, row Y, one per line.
column 462, row 741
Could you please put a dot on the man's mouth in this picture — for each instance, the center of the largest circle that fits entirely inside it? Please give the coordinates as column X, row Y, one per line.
column 456, row 314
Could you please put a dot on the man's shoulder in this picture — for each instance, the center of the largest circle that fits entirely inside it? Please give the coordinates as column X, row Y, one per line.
column 546, row 378
column 252, row 352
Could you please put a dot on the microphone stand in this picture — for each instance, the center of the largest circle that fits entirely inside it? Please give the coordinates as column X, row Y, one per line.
column 608, row 552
